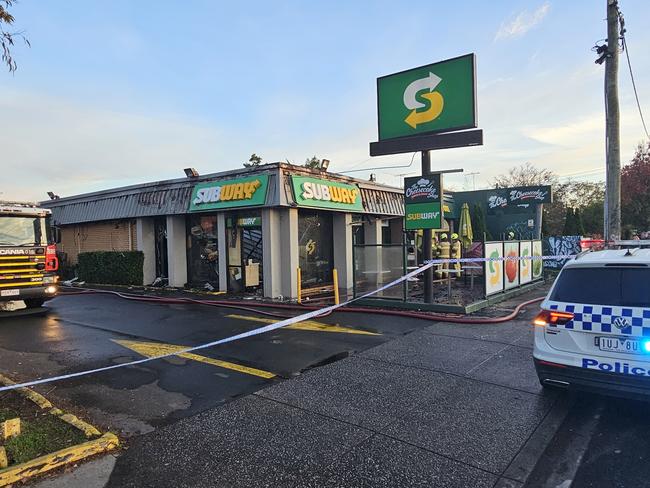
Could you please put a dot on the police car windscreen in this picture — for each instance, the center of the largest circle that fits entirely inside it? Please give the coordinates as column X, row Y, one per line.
column 628, row 287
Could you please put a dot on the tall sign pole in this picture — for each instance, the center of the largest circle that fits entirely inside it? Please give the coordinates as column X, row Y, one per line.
column 612, row 124
column 419, row 110
column 427, row 239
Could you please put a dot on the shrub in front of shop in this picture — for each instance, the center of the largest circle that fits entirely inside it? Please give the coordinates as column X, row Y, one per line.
column 111, row 267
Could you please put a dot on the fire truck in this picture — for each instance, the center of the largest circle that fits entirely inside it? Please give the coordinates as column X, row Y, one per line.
column 28, row 261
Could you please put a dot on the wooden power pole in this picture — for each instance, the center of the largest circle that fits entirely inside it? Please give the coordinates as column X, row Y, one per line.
column 612, row 130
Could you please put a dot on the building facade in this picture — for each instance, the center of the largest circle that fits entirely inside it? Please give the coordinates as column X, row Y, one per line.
column 238, row 230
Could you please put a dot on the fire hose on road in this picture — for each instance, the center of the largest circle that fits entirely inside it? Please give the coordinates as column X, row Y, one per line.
column 235, row 304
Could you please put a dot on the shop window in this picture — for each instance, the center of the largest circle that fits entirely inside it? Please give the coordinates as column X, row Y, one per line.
column 203, row 251
column 316, row 258
column 245, row 252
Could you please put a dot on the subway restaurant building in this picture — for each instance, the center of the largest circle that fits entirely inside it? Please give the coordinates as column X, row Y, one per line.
column 247, row 230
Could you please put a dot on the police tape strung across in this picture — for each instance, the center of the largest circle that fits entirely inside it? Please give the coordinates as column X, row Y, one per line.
column 616, row 367
column 250, row 333
column 503, row 258
column 254, row 332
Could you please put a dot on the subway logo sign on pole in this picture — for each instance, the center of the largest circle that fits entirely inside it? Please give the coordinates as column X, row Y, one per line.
column 240, row 192
column 438, row 97
column 316, row 192
column 423, row 202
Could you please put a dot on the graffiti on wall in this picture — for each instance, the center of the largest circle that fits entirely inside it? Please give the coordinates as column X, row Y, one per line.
column 560, row 246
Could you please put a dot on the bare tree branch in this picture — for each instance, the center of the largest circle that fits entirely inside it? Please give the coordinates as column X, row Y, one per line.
column 7, row 38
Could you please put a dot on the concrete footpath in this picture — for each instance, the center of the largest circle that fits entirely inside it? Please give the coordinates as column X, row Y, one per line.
column 446, row 406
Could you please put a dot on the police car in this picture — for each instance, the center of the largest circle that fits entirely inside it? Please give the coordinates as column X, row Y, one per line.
column 593, row 331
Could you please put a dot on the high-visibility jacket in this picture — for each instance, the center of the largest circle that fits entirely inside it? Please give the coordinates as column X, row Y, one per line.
column 456, row 252
column 443, row 252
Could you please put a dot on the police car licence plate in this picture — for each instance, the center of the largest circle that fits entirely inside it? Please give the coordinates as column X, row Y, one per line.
column 9, row 293
column 618, row 344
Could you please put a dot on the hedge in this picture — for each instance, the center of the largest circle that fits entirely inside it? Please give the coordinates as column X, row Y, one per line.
column 111, row 267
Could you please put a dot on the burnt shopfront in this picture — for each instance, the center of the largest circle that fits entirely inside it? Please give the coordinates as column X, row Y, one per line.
column 246, row 230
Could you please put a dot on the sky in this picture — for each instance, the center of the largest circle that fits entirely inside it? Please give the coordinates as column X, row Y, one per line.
column 122, row 92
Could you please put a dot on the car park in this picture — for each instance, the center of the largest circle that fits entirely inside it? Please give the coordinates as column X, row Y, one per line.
column 593, row 331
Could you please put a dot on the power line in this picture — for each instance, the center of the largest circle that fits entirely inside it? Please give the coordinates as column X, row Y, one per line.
column 629, row 65
column 381, row 167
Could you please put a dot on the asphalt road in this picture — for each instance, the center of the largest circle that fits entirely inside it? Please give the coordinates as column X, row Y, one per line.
column 92, row 331
column 452, row 399
column 603, row 442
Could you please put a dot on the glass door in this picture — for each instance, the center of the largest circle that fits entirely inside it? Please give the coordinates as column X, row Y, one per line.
column 244, row 245
column 315, row 246
column 160, row 241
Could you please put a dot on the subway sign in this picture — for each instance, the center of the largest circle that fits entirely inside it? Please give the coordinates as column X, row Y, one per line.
column 438, row 97
column 239, row 192
column 317, row 192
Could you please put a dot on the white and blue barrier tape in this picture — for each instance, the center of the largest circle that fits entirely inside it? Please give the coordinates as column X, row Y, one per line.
column 267, row 328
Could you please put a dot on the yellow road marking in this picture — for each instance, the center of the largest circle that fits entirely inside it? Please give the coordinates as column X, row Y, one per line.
column 305, row 325
column 152, row 349
column 69, row 455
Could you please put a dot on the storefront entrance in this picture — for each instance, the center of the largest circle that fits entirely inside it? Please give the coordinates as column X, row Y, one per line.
column 160, row 241
column 315, row 245
column 244, row 246
column 203, row 251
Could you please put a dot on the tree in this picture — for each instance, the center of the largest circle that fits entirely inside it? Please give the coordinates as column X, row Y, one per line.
column 635, row 190
column 586, row 196
column 479, row 229
column 525, row 175
column 253, row 162
column 7, row 38
column 569, row 223
column 312, row 163
column 584, row 199
column 579, row 226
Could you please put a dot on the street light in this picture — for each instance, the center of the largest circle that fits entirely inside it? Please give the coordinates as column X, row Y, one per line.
column 324, row 164
column 52, row 195
column 191, row 172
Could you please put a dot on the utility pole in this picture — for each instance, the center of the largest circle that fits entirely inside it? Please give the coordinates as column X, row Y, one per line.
column 427, row 241
column 612, row 130
column 473, row 175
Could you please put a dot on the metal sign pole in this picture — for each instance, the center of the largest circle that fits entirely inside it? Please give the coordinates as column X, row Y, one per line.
column 427, row 241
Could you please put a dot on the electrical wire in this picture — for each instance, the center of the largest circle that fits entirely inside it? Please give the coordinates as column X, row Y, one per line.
column 636, row 95
column 382, row 167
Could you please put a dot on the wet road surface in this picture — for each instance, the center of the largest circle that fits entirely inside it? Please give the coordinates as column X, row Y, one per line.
column 92, row 331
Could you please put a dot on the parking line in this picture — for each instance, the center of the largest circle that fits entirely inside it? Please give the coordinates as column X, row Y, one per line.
column 152, row 349
column 311, row 325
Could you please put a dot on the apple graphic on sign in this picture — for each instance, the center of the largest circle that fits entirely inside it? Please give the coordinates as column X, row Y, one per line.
column 511, row 266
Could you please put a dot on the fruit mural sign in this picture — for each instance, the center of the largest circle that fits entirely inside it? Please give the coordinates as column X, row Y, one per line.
column 526, row 264
column 538, row 264
column 493, row 269
column 511, row 264
column 438, row 97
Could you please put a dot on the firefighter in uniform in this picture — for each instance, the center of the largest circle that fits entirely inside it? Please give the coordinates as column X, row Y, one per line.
column 443, row 251
column 456, row 252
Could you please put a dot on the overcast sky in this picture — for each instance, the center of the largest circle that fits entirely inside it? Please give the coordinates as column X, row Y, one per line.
column 121, row 92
